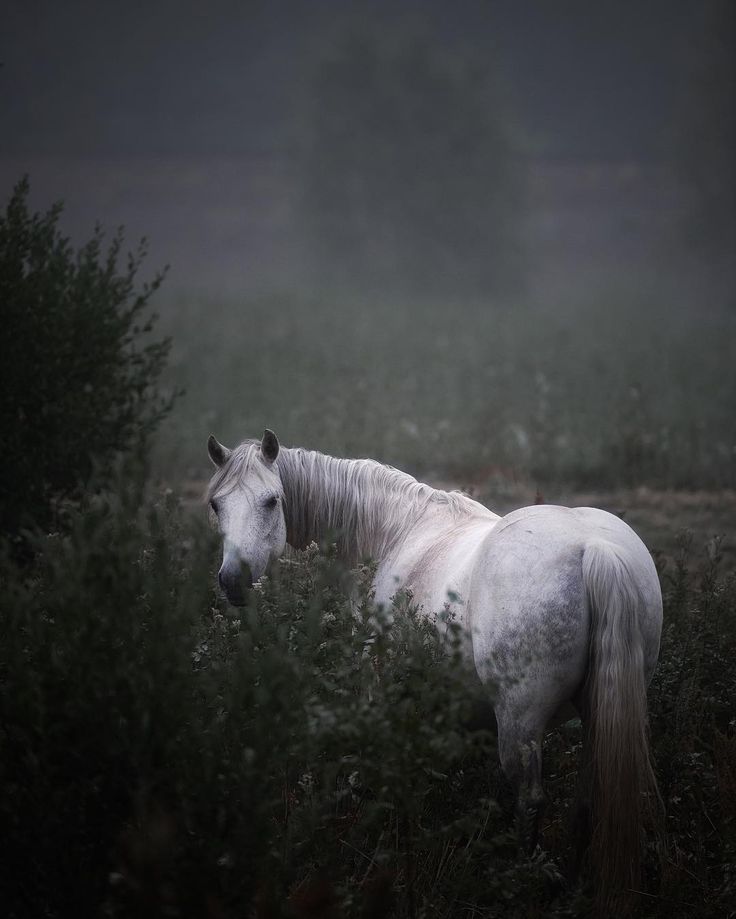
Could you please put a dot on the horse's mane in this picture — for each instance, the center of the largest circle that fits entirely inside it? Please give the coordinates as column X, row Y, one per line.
column 368, row 506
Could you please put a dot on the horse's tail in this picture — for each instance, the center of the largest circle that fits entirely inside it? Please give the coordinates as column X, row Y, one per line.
column 623, row 782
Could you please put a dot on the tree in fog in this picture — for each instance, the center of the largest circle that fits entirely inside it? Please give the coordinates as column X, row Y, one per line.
column 408, row 169
column 707, row 157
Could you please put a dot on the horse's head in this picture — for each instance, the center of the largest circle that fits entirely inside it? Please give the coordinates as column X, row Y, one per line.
column 246, row 496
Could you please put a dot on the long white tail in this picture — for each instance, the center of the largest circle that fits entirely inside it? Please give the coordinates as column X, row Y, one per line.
column 623, row 783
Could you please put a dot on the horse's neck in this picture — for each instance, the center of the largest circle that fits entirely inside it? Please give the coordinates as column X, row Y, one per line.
column 368, row 507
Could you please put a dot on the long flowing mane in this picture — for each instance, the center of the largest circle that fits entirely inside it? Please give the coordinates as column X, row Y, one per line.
column 369, row 507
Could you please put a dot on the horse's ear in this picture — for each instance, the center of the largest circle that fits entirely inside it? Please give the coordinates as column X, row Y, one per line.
column 269, row 446
column 218, row 454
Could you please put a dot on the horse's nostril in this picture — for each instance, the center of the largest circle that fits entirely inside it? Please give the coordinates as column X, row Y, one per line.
column 234, row 581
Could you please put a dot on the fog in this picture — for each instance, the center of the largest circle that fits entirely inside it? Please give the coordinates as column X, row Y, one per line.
column 255, row 148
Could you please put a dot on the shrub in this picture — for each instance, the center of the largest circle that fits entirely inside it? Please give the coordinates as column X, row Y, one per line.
column 79, row 367
column 161, row 757
column 312, row 756
column 694, row 735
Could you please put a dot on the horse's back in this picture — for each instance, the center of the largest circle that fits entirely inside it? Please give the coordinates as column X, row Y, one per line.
column 529, row 608
column 528, row 541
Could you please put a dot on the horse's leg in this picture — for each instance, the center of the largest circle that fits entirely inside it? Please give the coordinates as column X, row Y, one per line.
column 520, row 752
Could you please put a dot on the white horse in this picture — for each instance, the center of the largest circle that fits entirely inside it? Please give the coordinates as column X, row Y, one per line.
column 562, row 605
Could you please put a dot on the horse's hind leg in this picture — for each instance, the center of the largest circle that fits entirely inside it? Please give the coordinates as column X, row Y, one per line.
column 520, row 752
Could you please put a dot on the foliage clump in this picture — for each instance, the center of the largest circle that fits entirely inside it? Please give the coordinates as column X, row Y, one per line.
column 694, row 734
column 79, row 367
column 162, row 757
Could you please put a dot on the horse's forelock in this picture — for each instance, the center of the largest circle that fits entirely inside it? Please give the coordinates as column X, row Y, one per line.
column 232, row 473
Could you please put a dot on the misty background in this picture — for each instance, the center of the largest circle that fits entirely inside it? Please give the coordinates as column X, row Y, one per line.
column 476, row 238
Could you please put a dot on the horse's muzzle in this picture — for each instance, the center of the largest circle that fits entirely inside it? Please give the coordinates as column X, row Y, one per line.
column 235, row 581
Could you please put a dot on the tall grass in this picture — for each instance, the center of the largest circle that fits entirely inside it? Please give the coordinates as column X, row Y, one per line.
column 623, row 392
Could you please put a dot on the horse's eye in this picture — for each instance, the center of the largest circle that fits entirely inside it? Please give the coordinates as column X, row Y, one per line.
column 271, row 502
column 213, row 505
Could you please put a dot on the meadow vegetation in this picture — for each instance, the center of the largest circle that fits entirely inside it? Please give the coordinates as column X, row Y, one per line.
column 619, row 392
column 165, row 756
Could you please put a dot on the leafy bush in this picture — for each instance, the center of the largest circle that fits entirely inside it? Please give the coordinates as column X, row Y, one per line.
column 79, row 369
column 162, row 757
column 694, row 735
